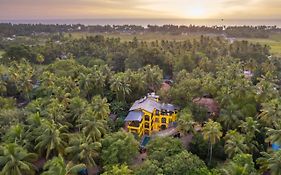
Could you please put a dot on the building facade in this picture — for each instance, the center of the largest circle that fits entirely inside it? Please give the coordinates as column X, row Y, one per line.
column 148, row 115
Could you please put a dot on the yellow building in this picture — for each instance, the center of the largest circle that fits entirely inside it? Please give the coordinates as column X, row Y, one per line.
column 148, row 115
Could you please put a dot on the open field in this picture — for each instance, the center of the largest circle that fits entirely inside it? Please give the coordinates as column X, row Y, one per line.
column 274, row 41
column 142, row 37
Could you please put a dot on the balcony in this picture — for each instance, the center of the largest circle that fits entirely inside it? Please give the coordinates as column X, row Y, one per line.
column 135, row 124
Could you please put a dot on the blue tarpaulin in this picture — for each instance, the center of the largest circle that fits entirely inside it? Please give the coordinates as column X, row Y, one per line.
column 275, row 147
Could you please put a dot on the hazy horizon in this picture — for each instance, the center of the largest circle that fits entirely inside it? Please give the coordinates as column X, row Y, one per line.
column 139, row 9
column 145, row 22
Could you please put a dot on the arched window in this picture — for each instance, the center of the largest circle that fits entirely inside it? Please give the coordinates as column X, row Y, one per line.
column 163, row 120
column 146, row 125
column 146, row 117
column 163, row 127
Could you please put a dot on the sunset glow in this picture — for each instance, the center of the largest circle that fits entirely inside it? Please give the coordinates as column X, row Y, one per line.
column 55, row 9
column 197, row 12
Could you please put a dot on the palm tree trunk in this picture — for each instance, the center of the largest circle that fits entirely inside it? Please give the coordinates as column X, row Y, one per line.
column 211, row 152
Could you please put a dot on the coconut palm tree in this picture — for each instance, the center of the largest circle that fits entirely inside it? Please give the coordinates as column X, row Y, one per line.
column 15, row 160
column 153, row 76
column 250, row 127
column 271, row 111
column 55, row 110
column 120, row 86
column 93, row 128
column 230, row 116
column 83, row 150
column 92, row 82
column 270, row 162
column 76, row 108
column 17, row 134
column 212, row 133
column 57, row 166
column 235, row 143
column 274, row 134
column 241, row 164
column 22, row 73
column 185, row 122
column 118, row 170
column 100, row 107
column 85, row 84
column 52, row 138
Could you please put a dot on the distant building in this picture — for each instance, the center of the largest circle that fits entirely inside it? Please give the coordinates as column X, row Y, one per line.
column 209, row 103
column 165, row 87
column 148, row 115
column 248, row 73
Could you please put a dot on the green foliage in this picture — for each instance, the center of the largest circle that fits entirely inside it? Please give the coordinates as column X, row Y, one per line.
column 185, row 122
column 21, row 74
column 17, row 52
column 274, row 134
column 149, row 167
column 52, row 138
column 184, row 163
column 93, row 128
column 270, row 111
column 15, row 160
column 58, row 166
column 83, row 150
column 241, row 164
column 200, row 147
column 57, row 103
column 212, row 133
column 235, row 143
column 119, row 147
column 65, row 68
column 118, row 170
column 100, row 107
column 271, row 162
column 161, row 147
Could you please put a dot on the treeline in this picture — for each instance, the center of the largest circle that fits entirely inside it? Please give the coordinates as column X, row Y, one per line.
column 170, row 56
column 8, row 29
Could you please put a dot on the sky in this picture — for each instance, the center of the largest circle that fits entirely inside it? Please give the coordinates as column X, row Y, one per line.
column 190, row 9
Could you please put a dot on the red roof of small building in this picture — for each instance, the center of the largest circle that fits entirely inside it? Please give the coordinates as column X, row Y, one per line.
column 209, row 103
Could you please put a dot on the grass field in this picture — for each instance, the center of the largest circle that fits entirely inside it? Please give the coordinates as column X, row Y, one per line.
column 142, row 37
column 274, row 41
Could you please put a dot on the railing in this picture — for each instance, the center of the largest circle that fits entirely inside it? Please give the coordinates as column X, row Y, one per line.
column 135, row 125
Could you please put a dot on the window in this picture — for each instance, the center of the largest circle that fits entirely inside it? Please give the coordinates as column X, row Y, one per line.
column 134, row 124
column 156, row 120
column 157, row 112
column 146, row 125
column 163, row 120
column 146, row 117
column 163, row 127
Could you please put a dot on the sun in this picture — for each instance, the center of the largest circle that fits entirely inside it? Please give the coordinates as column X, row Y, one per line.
column 197, row 12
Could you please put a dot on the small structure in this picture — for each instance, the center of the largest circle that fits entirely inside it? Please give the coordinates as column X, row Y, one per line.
column 209, row 103
column 248, row 74
column 165, row 87
column 148, row 115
